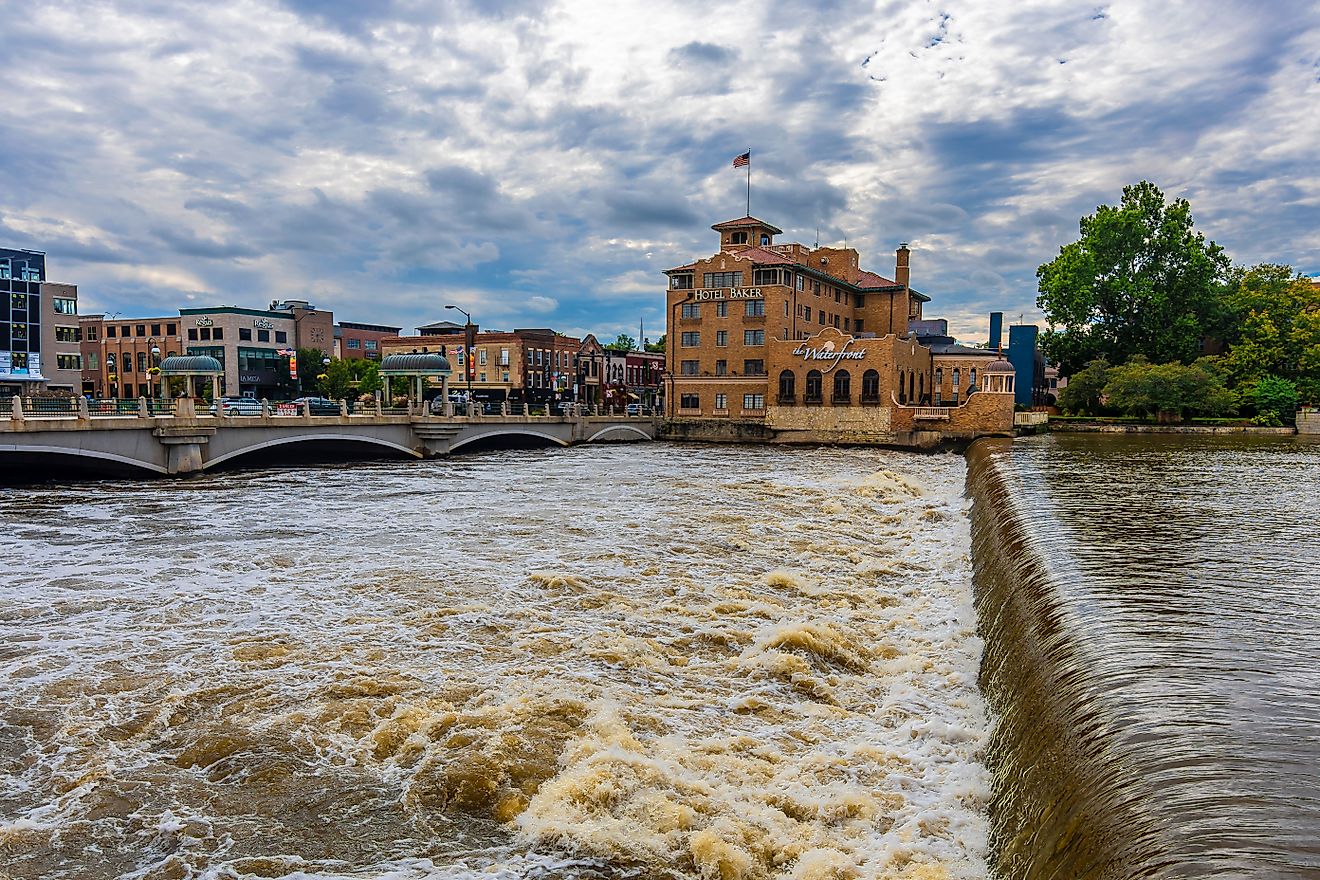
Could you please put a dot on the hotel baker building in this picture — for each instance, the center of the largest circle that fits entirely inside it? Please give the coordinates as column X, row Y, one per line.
column 789, row 343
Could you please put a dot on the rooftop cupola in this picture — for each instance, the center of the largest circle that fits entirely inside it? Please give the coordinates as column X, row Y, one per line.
column 746, row 232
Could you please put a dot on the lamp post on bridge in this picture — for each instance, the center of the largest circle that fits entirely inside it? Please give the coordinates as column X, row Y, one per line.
column 469, row 343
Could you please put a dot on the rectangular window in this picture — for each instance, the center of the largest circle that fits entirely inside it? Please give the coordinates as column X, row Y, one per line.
column 481, row 357
column 721, row 401
column 722, row 279
column 754, row 367
column 244, row 334
column 93, row 361
column 91, row 334
column 369, row 345
column 354, row 343
column 857, row 325
column 767, row 276
column 690, row 368
column 753, row 401
column 65, row 306
column 142, row 361
column 858, row 300
column 262, row 335
column 205, row 333
column 721, row 368
column 721, row 338
column 219, row 333
column 806, row 313
column 690, row 339
column 127, row 361
column 847, row 324
column 753, row 337
column 68, row 361
column 481, row 377
column 691, row 310
column 109, row 332
column 689, row 401
column 123, row 331
column 281, row 336
column 754, row 307
column 504, row 357
column 680, row 282
column 67, row 334
column 785, row 308
column 155, row 329
column 171, row 329
column 801, row 281
column 820, row 313
column 140, row 329
column 721, row 309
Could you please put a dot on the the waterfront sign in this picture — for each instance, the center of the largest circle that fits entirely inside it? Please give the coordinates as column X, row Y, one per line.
column 828, row 352
column 728, row 293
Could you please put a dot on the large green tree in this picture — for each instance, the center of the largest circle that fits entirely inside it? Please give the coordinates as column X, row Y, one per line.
column 1274, row 329
column 1140, row 388
column 1139, row 281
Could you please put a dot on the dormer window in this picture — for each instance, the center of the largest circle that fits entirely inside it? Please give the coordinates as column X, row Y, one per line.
column 765, row 240
column 738, row 238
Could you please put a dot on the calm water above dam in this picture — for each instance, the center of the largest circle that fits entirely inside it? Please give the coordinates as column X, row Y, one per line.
column 651, row 661
column 1151, row 610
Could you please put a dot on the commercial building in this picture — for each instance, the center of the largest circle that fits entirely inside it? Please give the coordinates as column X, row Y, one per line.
column 38, row 327
column 792, row 343
column 354, row 340
column 120, row 356
column 530, row 365
column 254, row 345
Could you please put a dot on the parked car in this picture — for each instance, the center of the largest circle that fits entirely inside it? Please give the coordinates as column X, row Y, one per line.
column 320, row 406
column 237, row 406
column 635, row 409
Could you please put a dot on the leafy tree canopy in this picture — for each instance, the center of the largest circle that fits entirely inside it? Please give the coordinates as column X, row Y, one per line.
column 1274, row 329
column 658, row 346
column 1085, row 389
column 624, row 342
column 1139, row 281
column 1140, row 388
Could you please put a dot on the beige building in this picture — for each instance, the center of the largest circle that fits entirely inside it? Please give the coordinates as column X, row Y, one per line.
column 802, row 343
column 253, row 345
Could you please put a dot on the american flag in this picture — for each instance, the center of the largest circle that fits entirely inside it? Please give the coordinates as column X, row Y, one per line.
column 744, row 159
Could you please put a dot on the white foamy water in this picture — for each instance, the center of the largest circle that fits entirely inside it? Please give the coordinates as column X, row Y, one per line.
column 652, row 661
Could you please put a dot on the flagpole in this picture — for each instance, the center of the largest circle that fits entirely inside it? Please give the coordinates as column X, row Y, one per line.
column 749, row 181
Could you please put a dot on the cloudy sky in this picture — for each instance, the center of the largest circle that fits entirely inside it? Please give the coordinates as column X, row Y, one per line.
column 540, row 163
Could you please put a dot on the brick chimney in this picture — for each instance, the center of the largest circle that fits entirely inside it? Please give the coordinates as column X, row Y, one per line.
column 901, row 267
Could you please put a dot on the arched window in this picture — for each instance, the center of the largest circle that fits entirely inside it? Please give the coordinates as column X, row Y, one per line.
column 971, row 383
column 902, row 387
column 787, row 386
column 814, row 384
column 842, row 387
column 957, row 385
column 912, row 387
column 765, row 239
column 921, row 387
column 870, row 387
column 738, row 238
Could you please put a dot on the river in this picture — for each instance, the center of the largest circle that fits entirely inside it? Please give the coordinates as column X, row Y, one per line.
column 610, row 661
column 1151, row 611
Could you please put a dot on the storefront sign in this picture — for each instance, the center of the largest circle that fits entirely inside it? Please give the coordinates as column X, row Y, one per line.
column 730, row 293
column 204, row 322
column 263, row 323
column 828, row 351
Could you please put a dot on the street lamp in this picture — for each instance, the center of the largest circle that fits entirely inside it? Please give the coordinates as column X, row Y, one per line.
column 155, row 365
column 469, row 342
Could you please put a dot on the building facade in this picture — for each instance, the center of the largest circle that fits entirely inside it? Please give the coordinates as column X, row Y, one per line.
column 354, row 340
column 39, row 348
column 803, row 344
column 530, row 365
column 121, row 356
column 255, row 345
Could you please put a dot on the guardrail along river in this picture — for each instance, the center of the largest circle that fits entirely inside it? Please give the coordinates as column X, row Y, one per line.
column 1149, row 606
column 647, row 661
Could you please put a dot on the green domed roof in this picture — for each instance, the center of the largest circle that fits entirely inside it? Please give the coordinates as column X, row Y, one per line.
column 191, row 365
column 415, row 364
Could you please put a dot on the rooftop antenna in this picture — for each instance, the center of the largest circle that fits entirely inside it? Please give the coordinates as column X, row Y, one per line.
column 817, row 244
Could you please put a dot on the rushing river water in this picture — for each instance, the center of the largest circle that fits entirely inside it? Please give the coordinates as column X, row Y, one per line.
column 650, row 661
column 1151, row 611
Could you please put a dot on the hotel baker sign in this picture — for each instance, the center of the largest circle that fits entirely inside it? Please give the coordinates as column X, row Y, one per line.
column 730, row 293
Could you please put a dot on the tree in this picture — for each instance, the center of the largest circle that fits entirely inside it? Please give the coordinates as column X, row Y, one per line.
column 624, row 342
column 1175, row 390
column 1275, row 329
column 1274, row 399
column 338, row 380
column 658, row 346
column 1085, row 388
column 368, row 376
column 309, row 366
column 1139, row 280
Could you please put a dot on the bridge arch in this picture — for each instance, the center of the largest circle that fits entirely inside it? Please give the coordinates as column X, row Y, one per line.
column 512, row 431
column 81, row 452
column 310, row 438
column 625, row 429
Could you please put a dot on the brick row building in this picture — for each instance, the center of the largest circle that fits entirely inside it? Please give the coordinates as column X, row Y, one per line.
column 805, row 344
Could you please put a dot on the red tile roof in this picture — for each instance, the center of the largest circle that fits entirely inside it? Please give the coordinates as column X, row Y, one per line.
column 870, row 279
column 746, row 221
column 762, row 257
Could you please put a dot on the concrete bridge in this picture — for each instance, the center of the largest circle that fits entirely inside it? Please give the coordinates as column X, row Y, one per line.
column 185, row 441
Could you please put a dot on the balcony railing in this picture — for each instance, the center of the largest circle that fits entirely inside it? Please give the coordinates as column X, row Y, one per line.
column 786, row 399
column 689, row 411
column 844, row 399
column 931, row 413
column 812, row 400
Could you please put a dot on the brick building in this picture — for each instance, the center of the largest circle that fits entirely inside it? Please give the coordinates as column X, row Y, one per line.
column 118, row 354
column 802, row 343
column 529, row 365
column 354, row 340
column 38, row 327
